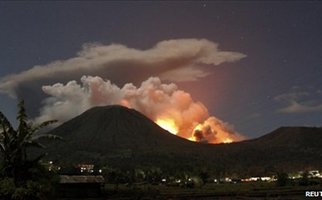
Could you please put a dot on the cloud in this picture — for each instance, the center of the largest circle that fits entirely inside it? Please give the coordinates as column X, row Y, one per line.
column 184, row 74
column 156, row 100
column 295, row 107
column 300, row 100
column 55, row 87
column 172, row 60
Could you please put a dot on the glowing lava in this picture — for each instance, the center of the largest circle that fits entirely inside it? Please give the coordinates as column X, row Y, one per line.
column 192, row 139
column 211, row 132
column 207, row 131
column 168, row 124
column 227, row 140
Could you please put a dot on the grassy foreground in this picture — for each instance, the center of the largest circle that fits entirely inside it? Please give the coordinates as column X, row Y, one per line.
column 258, row 190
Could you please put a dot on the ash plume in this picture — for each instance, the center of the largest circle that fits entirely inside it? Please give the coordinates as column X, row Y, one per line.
column 153, row 98
column 172, row 60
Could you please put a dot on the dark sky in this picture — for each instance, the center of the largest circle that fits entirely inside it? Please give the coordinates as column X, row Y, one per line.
column 278, row 84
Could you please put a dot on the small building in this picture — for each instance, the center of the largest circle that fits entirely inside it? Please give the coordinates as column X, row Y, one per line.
column 314, row 174
column 80, row 186
column 86, row 168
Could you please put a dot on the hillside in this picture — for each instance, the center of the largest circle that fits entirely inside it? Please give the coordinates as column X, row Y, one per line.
column 121, row 136
column 114, row 132
column 290, row 147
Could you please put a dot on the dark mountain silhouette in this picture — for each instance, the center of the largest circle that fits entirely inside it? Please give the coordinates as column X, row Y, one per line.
column 116, row 135
column 289, row 147
column 114, row 132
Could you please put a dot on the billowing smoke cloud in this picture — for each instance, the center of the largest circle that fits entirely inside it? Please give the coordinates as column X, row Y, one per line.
column 156, row 100
column 215, row 131
column 172, row 60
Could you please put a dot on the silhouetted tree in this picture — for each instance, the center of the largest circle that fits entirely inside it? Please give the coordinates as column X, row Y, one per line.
column 305, row 179
column 282, row 179
column 14, row 143
column 204, row 175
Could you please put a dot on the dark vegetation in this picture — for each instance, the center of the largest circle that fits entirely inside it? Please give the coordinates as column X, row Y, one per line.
column 211, row 191
column 20, row 176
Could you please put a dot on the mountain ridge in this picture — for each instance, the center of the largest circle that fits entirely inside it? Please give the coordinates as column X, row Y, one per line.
column 121, row 136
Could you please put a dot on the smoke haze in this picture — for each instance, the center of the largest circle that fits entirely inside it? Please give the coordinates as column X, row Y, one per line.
column 55, row 87
column 156, row 100
column 171, row 60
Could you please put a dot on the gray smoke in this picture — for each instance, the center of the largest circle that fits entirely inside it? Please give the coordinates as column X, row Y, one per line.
column 171, row 60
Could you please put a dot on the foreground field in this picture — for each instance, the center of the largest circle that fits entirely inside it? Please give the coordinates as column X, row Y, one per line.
column 208, row 191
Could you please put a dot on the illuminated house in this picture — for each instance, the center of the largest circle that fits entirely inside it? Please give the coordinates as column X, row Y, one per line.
column 86, row 168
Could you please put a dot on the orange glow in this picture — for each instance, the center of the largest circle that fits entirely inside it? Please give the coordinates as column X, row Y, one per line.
column 198, row 128
column 212, row 133
column 206, row 132
column 192, row 139
column 168, row 124
column 227, row 140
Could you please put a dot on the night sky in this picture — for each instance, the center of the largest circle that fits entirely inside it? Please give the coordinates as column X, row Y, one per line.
column 275, row 82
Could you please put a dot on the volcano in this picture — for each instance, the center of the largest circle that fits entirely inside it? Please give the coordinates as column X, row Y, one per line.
column 124, row 137
column 114, row 132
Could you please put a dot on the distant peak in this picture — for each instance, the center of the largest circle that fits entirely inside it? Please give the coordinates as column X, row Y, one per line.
column 114, row 106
